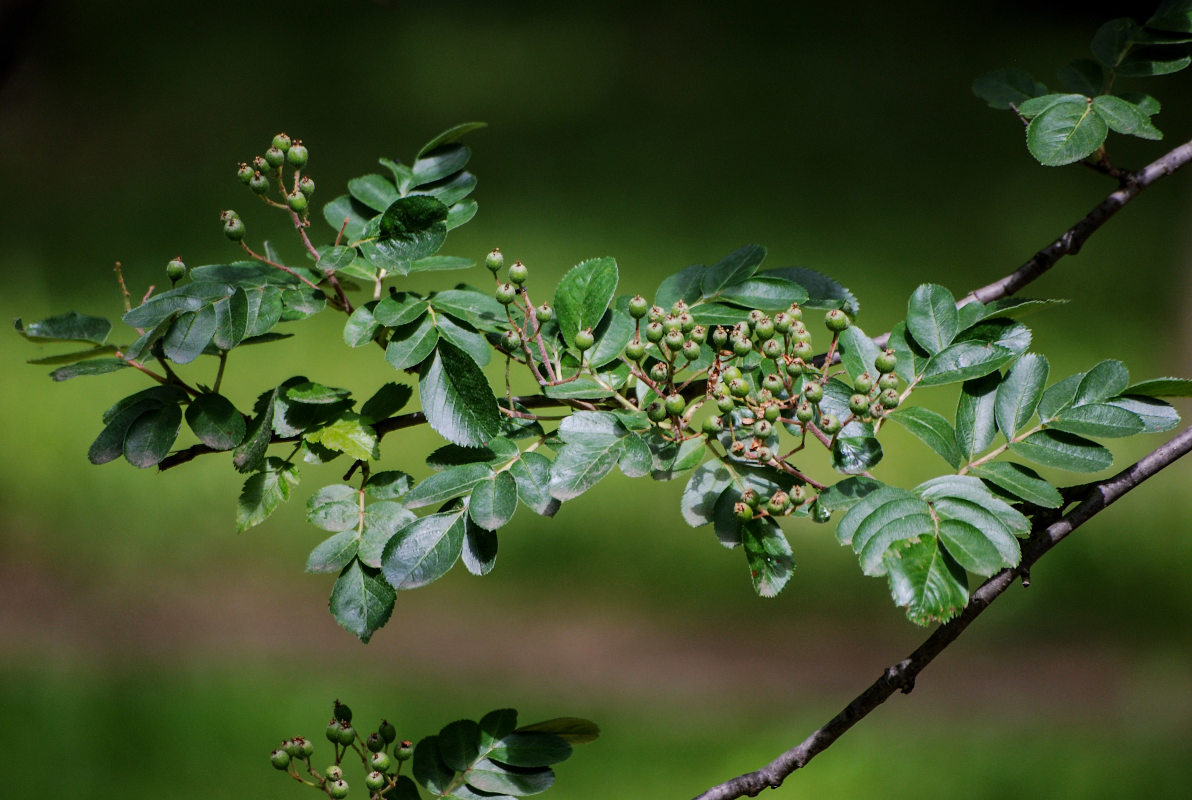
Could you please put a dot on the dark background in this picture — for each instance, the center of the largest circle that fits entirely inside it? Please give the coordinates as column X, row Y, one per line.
column 147, row 647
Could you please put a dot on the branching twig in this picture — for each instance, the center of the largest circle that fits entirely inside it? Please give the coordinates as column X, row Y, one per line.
column 901, row 676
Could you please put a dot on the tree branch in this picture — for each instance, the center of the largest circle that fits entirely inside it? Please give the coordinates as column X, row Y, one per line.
column 1047, row 533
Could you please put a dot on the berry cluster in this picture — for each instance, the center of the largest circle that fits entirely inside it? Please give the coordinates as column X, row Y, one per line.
column 381, row 753
column 268, row 171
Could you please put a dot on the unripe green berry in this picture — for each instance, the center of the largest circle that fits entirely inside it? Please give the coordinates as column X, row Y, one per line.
column 403, row 751
column 829, row 424
column 888, row 381
column 764, row 328
column 778, row 502
column 518, row 273
column 280, row 759
column 656, row 411
column 244, row 173
column 635, row 351
column 307, row 747
column 511, row 340
column 889, row 398
column 333, row 773
column 274, row 157
column 282, row 142
column 729, row 373
column 795, row 312
column 773, row 382
column 836, row 320
column 545, row 312
column 638, row 306
column 798, row 494
column 259, row 164
column 494, row 260
column 686, row 322
column 675, row 339
column 772, row 348
column 670, row 324
column 297, row 202
column 742, row 346
column 698, row 334
column 296, row 155
column 660, row 371
column 387, row 731
column 712, row 425
column 691, row 350
column 675, row 404
column 234, row 228
column 743, row 511
column 813, row 393
column 755, row 316
column 379, row 761
column 374, row 781
column 764, row 455
column 259, row 182
column 584, row 339
column 654, row 332
column 293, row 747
column 175, row 270
column 782, row 322
column 800, row 333
column 505, row 293
column 858, row 404
column 762, row 428
column 771, row 412
column 863, row 383
column 802, row 350
column 719, row 338
column 751, row 498
column 737, row 448
column 737, row 387
column 374, row 742
column 655, row 314
column 337, row 790
column 764, row 396
column 877, row 410
column 725, row 403
column 886, row 361
column 347, row 734
column 804, row 412
column 306, row 186
column 795, row 368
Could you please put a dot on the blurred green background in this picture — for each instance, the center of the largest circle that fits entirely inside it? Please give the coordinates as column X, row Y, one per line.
column 145, row 647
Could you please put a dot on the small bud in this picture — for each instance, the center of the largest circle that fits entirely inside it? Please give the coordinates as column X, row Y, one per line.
column 691, row 350
column 751, row 498
column 743, row 512
column 712, row 425
column 773, row 382
column 175, row 270
column 698, row 334
column 742, row 346
column 374, row 781
column 686, row 322
column 764, row 455
column 719, row 338
column 379, row 761
column 829, row 424
column 259, row 164
column 234, row 228
column 656, row 314
column 858, row 404
column 772, row 348
column 782, row 322
column 403, row 751
column 387, row 731
column 813, row 393
column 656, row 411
column 889, row 398
column 805, row 412
column 888, row 381
column 737, row 387
column 337, row 789
column 795, row 312
column 764, row 328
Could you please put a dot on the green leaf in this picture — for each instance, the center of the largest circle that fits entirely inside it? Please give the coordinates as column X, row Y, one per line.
column 897, row 520
column 361, row 328
column 1121, row 44
column 344, row 208
column 399, row 309
column 1066, row 132
column 1037, row 105
column 668, row 459
column 978, row 351
column 264, row 492
column 1019, row 392
column 442, row 263
column 734, row 268
column 584, row 387
column 931, row 317
column 531, row 749
column 861, row 509
column 381, row 521
column 931, row 586
column 703, row 489
column 489, row 776
column 1098, row 419
column 429, row 769
column 857, row 351
column 581, row 464
column 450, row 135
column 151, row 435
column 109, row 445
column 78, row 355
column 479, row 553
column 1002, row 88
column 387, row 401
column 456, row 398
column 388, row 485
column 465, row 339
column 1125, row 118
column 187, row 298
column 216, row 421
column 768, row 554
column 1064, row 451
column 822, row 292
column 333, row 553
column 479, row 309
column 1059, row 396
column 452, row 482
column 95, row 366
column 411, row 345
column 424, row 550
column 571, row 729
column 765, row 293
column 69, row 327
column 361, row 601
column 933, row 430
column 844, row 494
column 683, row 285
column 1161, row 387
column 911, row 357
column 854, row 454
column 1156, row 415
column 583, row 296
column 375, row 191
column 1105, row 380
column 1172, row 15
column 311, row 393
column 1022, row 482
column 231, row 320
column 493, row 501
column 250, row 454
column 347, row 434
column 532, row 472
column 969, row 547
column 460, row 213
column 613, row 333
column 436, row 164
column 189, row 335
column 411, row 228
column 449, row 190
column 1083, row 76
column 334, row 508
column 459, row 744
column 496, row 725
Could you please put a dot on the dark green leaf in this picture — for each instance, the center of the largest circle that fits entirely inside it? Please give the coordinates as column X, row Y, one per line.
column 410, row 229
column 311, row 393
column 1005, row 87
column 933, row 430
column 429, row 769
column 703, row 489
column 345, row 208
column 348, row 434
column 465, row 339
column 583, row 295
column 1015, row 307
column 897, row 520
column 734, row 268
column 460, row 213
column 1022, row 482
column 247, row 274
column 584, row 387
column 582, row 463
column 1019, row 392
column 151, row 435
column 532, row 473
column 931, row 317
column 844, row 494
column 459, row 744
column 189, row 335
column 1162, row 387
column 78, row 355
column 965, row 360
column 263, row 492
column 489, row 776
column 451, row 189
column 969, row 547
column 480, row 548
column 231, row 319
column 854, row 454
column 1105, row 380
column 456, row 398
column 1037, row 105
column 947, row 488
column 441, row 263
column 109, row 445
column 216, row 421
column 361, row 601
column 1083, row 76
column 1098, row 419
column 931, row 586
column 186, row 298
column 493, row 501
column 822, row 292
column 424, row 550
column 531, row 749
column 857, row 351
column 861, row 509
column 911, row 357
column 381, row 521
column 436, row 164
column 411, row 345
column 613, row 333
column 399, row 309
column 768, row 554
column 334, row 508
column 1172, row 15
column 450, row 135
column 361, row 328
column 452, row 482
column 685, row 285
column 480, row 309
column 668, row 459
column 375, row 191
column 1059, row 396
column 69, row 327
column 1124, row 117
column 1063, row 450
column 333, row 553
column 96, row 366
column 388, row 485
column 496, row 725
column 264, row 310
column 1066, row 132
column 1156, row 415
column 250, row 455
column 571, row 729
column 387, row 401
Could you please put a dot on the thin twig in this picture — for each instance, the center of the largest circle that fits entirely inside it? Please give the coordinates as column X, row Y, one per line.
column 1046, row 534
